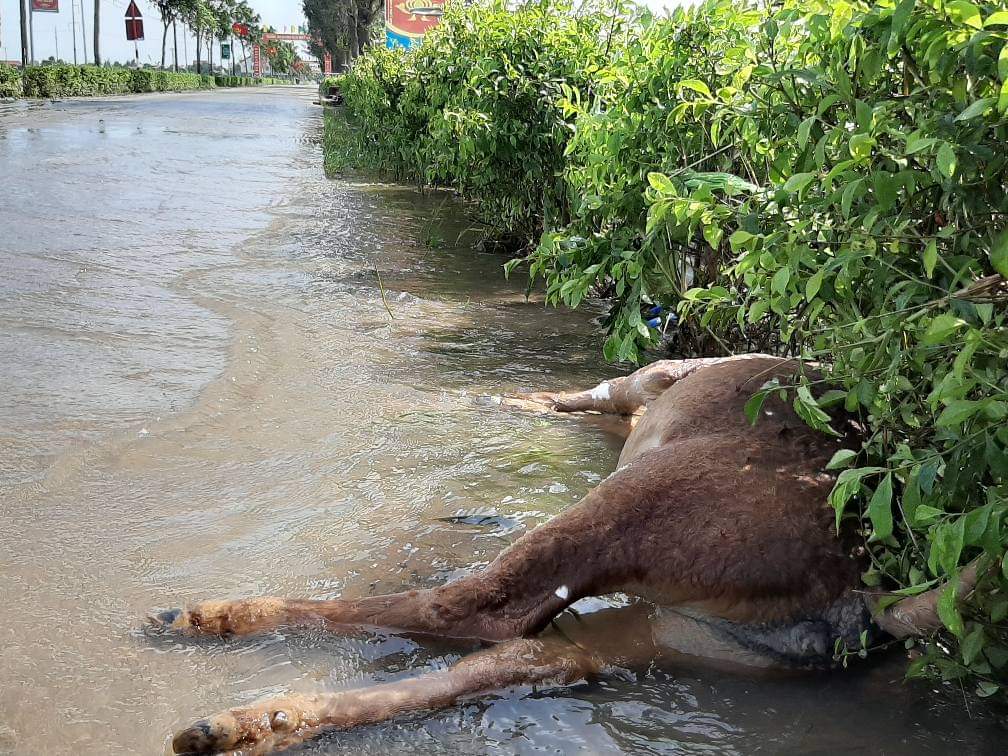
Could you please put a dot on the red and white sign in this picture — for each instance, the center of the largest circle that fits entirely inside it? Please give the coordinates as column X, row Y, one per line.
column 240, row 29
column 45, row 6
column 134, row 23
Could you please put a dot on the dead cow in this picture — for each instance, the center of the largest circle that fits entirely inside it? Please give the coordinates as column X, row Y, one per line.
column 720, row 527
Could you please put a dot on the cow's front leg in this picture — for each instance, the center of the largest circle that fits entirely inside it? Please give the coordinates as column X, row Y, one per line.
column 578, row 647
column 279, row 723
column 627, row 395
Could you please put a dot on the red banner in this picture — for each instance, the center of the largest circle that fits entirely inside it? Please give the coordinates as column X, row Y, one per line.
column 45, row 6
column 240, row 29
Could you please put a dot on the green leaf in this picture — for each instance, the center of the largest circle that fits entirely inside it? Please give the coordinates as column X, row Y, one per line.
column 971, row 645
column 987, row 688
column 740, row 238
column 997, row 19
column 754, row 405
column 880, row 509
column 941, row 328
column 842, row 458
column 860, row 145
column 948, row 611
column 813, row 285
column 930, row 257
column 803, row 131
column 899, row 19
column 780, row 280
column 696, row 85
column 999, row 254
column 957, row 412
column 848, row 483
column 965, row 13
column 808, row 410
column 798, row 182
column 977, row 108
column 661, row 183
column 847, row 197
column 946, row 160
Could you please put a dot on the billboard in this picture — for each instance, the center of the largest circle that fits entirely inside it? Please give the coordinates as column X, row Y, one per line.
column 406, row 21
column 45, row 6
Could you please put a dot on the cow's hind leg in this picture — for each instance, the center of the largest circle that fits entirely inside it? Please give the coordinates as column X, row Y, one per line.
column 543, row 572
column 610, row 637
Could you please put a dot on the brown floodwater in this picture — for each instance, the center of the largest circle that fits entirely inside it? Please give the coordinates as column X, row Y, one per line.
column 203, row 395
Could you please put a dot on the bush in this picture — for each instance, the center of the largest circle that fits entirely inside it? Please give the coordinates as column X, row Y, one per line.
column 828, row 180
column 818, row 179
column 10, row 81
column 242, row 81
column 77, row 81
column 478, row 106
column 329, row 87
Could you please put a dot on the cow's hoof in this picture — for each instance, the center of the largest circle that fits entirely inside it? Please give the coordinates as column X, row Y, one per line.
column 169, row 621
column 207, row 736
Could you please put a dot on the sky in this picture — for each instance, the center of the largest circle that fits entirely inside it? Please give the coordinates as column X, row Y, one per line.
column 52, row 29
column 56, row 28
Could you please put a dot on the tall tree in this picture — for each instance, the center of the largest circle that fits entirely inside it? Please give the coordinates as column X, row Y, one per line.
column 341, row 27
column 170, row 10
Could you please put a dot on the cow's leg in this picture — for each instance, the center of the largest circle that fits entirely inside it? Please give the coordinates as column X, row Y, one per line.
column 559, row 657
column 532, row 581
column 620, row 396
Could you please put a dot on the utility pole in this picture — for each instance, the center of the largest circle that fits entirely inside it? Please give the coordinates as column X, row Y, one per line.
column 24, row 32
column 174, row 32
column 55, row 33
column 83, row 29
column 97, row 32
column 73, row 15
column 31, row 30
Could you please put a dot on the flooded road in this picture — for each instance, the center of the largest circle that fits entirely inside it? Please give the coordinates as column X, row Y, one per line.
column 204, row 395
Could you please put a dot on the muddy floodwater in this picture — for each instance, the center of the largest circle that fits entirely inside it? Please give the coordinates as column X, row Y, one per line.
column 203, row 395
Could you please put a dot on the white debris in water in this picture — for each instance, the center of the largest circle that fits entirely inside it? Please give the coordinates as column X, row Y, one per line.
column 600, row 392
column 563, row 592
column 144, row 431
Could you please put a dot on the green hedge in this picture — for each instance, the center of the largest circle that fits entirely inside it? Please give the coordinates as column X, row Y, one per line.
column 809, row 177
column 245, row 81
column 479, row 106
column 10, row 82
column 330, row 86
column 78, row 81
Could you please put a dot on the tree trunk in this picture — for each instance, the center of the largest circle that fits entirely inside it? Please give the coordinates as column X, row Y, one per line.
column 164, row 42
column 353, row 44
column 97, row 32
column 199, row 61
column 174, row 31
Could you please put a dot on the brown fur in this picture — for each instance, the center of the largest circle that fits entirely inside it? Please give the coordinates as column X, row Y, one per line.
column 705, row 512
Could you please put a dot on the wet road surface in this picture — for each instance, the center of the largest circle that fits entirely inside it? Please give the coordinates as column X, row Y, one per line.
column 204, row 396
